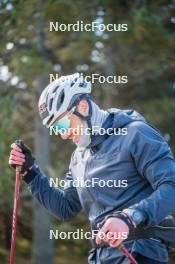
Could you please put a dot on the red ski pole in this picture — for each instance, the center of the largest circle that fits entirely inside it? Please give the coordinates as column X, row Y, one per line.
column 15, row 215
column 127, row 254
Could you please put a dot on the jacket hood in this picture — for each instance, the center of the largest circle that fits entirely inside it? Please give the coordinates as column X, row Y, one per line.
column 117, row 118
column 124, row 117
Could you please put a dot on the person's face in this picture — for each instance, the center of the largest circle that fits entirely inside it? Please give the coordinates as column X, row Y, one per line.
column 74, row 131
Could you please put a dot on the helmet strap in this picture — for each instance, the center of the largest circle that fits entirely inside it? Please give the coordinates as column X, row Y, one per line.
column 88, row 117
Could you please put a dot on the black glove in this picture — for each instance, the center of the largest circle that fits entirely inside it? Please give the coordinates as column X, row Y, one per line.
column 29, row 158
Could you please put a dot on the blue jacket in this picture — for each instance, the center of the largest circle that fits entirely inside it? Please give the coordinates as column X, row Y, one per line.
column 138, row 156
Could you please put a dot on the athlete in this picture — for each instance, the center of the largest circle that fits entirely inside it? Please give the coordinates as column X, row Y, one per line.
column 124, row 167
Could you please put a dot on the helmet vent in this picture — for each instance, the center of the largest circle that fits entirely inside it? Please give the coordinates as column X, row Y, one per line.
column 50, row 104
column 60, row 99
column 74, row 81
column 47, row 98
column 83, row 84
column 55, row 89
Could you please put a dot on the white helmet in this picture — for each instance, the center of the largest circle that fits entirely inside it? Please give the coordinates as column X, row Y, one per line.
column 60, row 96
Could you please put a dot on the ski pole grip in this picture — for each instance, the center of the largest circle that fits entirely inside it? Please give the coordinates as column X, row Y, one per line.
column 18, row 168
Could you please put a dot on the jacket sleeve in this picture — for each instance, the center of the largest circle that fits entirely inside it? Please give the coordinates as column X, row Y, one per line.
column 63, row 204
column 155, row 162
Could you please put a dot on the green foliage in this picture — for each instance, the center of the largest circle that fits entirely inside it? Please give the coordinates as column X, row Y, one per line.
column 149, row 29
column 7, row 135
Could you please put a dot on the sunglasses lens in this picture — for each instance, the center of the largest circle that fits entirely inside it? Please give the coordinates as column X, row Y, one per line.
column 62, row 125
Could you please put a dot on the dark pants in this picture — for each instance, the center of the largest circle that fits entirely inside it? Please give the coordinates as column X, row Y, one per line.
column 143, row 260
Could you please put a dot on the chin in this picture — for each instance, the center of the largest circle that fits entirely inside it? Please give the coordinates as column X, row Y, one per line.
column 75, row 139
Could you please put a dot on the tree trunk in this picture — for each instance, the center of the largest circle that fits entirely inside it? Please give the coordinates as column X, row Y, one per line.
column 109, row 69
column 42, row 246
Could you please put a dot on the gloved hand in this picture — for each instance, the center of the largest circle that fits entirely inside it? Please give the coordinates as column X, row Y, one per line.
column 21, row 155
column 113, row 231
